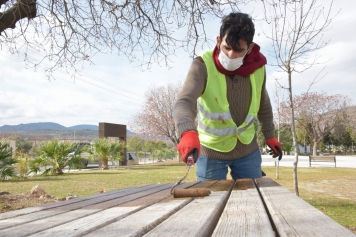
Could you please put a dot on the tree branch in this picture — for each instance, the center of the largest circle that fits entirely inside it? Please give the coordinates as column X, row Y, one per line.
column 19, row 10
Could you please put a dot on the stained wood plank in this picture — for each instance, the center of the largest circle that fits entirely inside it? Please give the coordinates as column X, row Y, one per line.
column 79, row 222
column 244, row 213
column 57, row 210
column 36, row 222
column 82, row 225
column 145, row 220
column 29, row 210
column 199, row 217
column 292, row 216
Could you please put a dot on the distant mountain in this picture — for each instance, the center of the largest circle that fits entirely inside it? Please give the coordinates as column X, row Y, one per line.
column 32, row 126
column 50, row 126
column 83, row 126
column 46, row 126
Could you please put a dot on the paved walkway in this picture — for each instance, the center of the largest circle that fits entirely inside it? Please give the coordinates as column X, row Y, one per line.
column 303, row 161
column 287, row 161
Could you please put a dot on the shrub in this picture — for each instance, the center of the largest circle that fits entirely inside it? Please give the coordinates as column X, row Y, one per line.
column 6, row 161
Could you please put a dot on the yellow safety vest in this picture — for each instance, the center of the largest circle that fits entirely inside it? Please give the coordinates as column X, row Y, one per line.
column 216, row 127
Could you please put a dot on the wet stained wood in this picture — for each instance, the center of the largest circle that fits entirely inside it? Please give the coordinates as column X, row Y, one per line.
column 244, row 213
column 66, row 207
column 129, row 202
column 151, row 216
column 199, row 217
column 292, row 216
column 108, row 195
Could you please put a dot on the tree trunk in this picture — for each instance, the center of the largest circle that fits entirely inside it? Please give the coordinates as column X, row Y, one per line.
column 294, row 134
column 315, row 146
column 295, row 164
column 59, row 171
column 19, row 10
column 279, row 132
column 179, row 158
column 305, row 148
column 104, row 165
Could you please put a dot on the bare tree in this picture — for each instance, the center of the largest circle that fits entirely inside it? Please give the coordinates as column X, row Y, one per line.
column 278, row 98
column 156, row 115
column 351, row 125
column 297, row 28
column 65, row 33
column 319, row 113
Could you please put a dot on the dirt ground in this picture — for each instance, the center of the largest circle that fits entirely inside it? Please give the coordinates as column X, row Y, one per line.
column 333, row 188
column 11, row 202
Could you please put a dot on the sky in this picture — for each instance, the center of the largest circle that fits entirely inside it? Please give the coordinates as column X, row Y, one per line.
column 112, row 89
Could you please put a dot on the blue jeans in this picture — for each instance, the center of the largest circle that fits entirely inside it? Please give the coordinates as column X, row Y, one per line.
column 245, row 167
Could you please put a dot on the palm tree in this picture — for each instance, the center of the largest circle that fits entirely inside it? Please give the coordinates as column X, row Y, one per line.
column 105, row 150
column 6, row 161
column 57, row 155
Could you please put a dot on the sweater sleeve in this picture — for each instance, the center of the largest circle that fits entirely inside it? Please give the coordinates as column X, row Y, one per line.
column 265, row 114
column 185, row 108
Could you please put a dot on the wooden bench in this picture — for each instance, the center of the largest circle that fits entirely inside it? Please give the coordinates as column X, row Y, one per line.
column 322, row 159
column 246, row 207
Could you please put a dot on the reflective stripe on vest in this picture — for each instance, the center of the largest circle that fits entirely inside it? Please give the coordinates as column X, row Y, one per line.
column 216, row 127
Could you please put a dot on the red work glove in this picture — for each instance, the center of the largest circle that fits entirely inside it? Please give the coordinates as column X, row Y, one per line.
column 275, row 146
column 189, row 144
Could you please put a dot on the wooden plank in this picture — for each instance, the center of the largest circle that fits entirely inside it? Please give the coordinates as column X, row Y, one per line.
column 145, row 220
column 244, row 213
column 83, row 221
column 29, row 210
column 199, row 217
column 292, row 216
column 142, row 221
column 58, row 209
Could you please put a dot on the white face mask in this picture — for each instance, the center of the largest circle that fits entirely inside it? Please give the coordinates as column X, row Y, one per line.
column 231, row 64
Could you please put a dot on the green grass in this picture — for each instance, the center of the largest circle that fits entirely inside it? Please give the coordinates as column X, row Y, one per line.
column 83, row 183
column 331, row 190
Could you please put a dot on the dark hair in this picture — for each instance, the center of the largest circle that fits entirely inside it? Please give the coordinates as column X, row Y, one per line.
column 237, row 26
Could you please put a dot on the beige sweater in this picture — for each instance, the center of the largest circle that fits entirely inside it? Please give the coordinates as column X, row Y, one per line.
column 239, row 97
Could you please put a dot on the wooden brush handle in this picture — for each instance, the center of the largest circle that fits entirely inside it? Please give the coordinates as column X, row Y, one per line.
column 193, row 192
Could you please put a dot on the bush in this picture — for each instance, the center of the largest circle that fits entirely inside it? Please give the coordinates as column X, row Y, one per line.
column 23, row 164
column 6, row 161
column 54, row 156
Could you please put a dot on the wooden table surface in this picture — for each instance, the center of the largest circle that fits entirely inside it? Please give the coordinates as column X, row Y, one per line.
column 242, row 208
